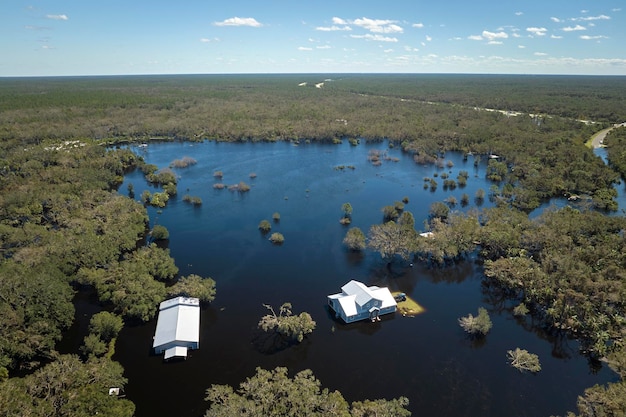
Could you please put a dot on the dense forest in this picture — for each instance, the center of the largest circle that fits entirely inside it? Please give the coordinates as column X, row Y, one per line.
column 63, row 226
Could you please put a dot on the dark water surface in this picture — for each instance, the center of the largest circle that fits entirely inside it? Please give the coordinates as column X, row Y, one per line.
column 427, row 358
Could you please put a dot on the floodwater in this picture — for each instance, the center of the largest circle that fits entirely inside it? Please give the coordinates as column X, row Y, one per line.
column 426, row 358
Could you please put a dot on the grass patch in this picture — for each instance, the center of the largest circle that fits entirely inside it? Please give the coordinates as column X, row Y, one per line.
column 409, row 307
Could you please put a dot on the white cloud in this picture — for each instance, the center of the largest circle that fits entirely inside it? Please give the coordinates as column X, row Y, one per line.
column 429, row 38
column 556, row 37
column 590, row 38
column 540, row 54
column 388, row 51
column 57, row 17
column 521, row 46
column 475, row 38
column 239, row 21
column 417, row 25
column 333, row 28
column 494, row 43
column 573, row 28
column 586, row 19
column 490, row 36
column 555, row 19
column 339, row 21
column 537, row 31
column 516, row 35
column 377, row 38
column 616, row 10
column 304, row 48
column 410, row 49
column 323, row 47
column 378, row 25
column 519, row 13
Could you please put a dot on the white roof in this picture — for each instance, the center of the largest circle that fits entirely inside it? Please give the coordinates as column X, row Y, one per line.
column 355, row 295
column 175, row 352
column 362, row 293
column 179, row 320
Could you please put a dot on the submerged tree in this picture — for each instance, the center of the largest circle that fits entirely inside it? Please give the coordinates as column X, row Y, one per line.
column 293, row 328
column 194, row 286
column 476, row 326
column 273, row 393
column 522, row 360
column 355, row 239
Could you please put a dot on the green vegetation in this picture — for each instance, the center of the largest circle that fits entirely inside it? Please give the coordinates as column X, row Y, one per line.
column 183, row 162
column 62, row 223
column 277, row 238
column 274, row 393
column 194, row 286
column 355, row 239
column 194, row 200
column 478, row 325
column 159, row 232
column 265, row 226
column 292, row 328
column 103, row 329
column 522, row 360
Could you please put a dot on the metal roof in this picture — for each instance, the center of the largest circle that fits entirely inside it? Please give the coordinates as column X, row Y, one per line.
column 179, row 320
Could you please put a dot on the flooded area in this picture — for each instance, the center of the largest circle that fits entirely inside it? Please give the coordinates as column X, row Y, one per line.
column 426, row 358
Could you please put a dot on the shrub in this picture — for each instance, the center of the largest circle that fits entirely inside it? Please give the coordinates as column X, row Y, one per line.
column 522, row 360
column 355, row 239
column 520, row 310
column 390, row 212
column 159, row 232
column 242, row 187
column 276, row 216
column 196, row 201
column 218, row 174
column 277, row 238
column 265, row 226
column 183, row 163
column 476, row 326
column 219, row 186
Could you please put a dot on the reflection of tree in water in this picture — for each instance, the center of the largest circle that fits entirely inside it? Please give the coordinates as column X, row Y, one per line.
column 461, row 398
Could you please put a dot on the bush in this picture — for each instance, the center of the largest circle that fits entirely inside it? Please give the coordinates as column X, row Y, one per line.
column 276, row 216
column 355, row 239
column 159, row 232
column 265, row 226
column 183, row 163
column 476, row 326
column 277, row 238
column 522, row 360
column 218, row 174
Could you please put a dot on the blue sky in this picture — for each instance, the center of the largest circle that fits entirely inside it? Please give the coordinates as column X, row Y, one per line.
column 89, row 37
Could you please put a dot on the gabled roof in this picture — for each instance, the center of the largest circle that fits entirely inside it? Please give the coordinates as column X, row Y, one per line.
column 179, row 320
column 360, row 291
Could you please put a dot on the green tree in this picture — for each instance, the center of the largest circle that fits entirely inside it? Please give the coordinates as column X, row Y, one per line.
column 347, row 209
column 522, row 360
column 106, row 325
column 355, row 239
column 265, row 226
column 159, row 232
column 390, row 239
column 274, row 393
column 194, row 286
column 277, row 238
column 478, row 325
column 293, row 328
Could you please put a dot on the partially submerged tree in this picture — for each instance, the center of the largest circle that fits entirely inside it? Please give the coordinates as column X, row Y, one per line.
column 355, row 239
column 291, row 327
column 478, row 325
column 522, row 360
column 274, row 393
column 265, row 226
column 194, row 286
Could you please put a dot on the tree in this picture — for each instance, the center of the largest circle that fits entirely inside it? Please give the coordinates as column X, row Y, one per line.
column 265, row 226
column 275, row 394
column 159, row 232
column 105, row 325
column 439, row 210
column 277, row 238
column 355, row 239
column 293, row 328
column 194, row 286
column 476, row 326
column 347, row 209
column 522, row 360
column 391, row 239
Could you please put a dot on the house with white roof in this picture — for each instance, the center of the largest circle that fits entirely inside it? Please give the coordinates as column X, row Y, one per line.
column 356, row 301
column 178, row 327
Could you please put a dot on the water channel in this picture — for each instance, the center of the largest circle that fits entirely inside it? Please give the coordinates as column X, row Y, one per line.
column 426, row 358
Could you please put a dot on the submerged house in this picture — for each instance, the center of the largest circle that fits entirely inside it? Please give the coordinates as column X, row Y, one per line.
column 178, row 327
column 356, row 301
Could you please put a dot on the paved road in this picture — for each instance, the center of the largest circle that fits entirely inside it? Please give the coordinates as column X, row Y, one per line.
column 598, row 139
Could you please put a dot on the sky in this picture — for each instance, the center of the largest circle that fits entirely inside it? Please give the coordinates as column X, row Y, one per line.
column 116, row 37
